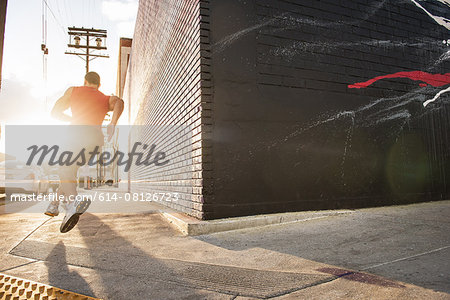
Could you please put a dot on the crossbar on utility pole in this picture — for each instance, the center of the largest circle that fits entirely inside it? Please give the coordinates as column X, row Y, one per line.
column 84, row 54
column 87, row 33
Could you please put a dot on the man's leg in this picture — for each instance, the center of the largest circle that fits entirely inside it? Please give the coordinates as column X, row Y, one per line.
column 75, row 205
column 89, row 137
column 53, row 208
column 66, row 176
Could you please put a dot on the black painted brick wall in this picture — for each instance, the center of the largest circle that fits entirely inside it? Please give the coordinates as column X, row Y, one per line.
column 288, row 132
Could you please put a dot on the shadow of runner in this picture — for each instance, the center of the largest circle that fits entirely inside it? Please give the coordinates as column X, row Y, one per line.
column 59, row 274
column 127, row 272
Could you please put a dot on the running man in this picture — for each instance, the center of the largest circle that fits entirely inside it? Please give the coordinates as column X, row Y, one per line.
column 89, row 107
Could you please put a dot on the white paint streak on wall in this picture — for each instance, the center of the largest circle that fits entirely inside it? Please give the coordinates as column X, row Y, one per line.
column 440, row 20
column 444, row 57
column 347, row 147
column 443, row 22
column 446, row 2
column 301, row 47
column 229, row 39
column 342, row 114
column 447, row 90
column 404, row 114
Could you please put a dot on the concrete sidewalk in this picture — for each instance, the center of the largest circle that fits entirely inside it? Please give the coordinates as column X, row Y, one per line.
column 380, row 253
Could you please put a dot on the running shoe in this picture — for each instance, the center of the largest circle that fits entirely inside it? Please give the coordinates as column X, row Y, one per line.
column 73, row 213
column 52, row 209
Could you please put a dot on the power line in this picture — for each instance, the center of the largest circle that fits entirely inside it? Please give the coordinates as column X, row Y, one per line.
column 64, row 9
column 59, row 13
column 82, row 12
column 56, row 19
column 89, row 12
column 64, row 20
column 101, row 13
column 69, row 9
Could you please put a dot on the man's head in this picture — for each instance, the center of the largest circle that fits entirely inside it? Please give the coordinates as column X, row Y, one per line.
column 92, row 79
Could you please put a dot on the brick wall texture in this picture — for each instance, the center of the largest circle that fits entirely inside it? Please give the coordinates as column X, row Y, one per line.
column 267, row 90
column 166, row 84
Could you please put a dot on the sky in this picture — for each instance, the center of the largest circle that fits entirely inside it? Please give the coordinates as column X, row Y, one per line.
column 24, row 97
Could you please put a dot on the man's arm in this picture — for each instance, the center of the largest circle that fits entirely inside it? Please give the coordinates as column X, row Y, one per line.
column 61, row 106
column 116, row 106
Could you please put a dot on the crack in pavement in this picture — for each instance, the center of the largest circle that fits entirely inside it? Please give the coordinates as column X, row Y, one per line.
column 405, row 258
column 21, row 265
column 28, row 235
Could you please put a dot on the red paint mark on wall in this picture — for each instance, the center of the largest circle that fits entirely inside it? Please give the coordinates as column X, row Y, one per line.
column 432, row 79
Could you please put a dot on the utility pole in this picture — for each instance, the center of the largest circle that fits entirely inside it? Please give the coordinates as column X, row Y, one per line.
column 77, row 35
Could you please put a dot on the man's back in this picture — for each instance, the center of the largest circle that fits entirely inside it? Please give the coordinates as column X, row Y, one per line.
column 88, row 105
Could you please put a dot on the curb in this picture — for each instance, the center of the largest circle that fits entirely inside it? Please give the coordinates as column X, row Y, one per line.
column 190, row 226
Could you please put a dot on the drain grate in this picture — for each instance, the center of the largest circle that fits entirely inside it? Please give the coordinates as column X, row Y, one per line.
column 13, row 288
column 242, row 281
